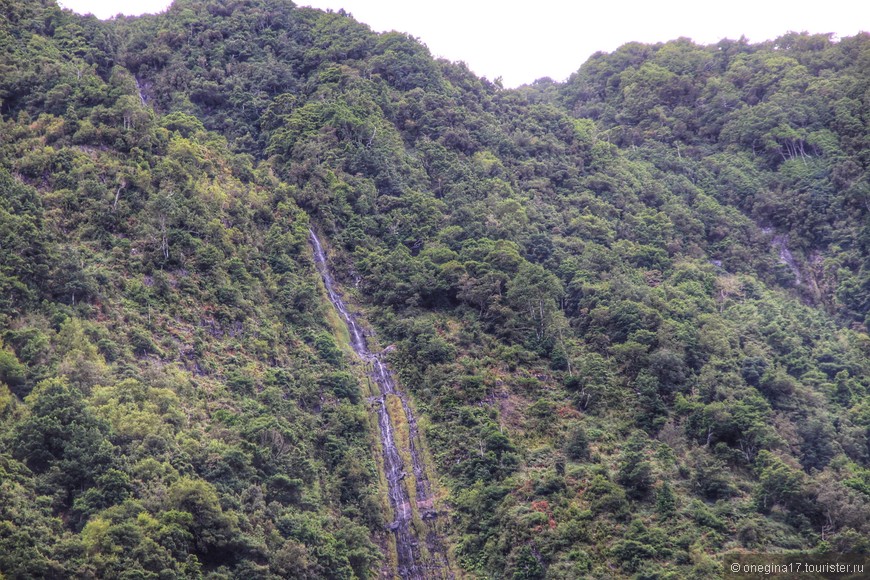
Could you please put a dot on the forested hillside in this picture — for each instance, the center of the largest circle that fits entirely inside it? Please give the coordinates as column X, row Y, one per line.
column 631, row 309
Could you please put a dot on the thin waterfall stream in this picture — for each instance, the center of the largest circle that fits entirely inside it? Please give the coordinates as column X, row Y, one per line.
column 419, row 557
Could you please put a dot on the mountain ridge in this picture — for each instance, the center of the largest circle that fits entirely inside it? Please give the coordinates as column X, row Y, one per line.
column 615, row 372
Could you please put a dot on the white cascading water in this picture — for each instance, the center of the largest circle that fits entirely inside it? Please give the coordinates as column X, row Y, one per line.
column 411, row 564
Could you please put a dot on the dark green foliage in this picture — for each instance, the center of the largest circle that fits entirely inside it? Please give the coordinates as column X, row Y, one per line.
column 666, row 502
column 525, row 565
column 607, row 498
column 653, row 411
column 25, row 265
column 138, row 244
column 817, row 447
column 577, row 444
column 635, row 471
column 711, row 478
column 752, row 369
column 343, row 384
column 671, row 245
column 63, row 438
column 325, row 345
column 639, row 546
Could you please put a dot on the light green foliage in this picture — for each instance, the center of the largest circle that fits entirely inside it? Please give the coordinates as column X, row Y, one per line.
column 631, row 308
column 161, row 330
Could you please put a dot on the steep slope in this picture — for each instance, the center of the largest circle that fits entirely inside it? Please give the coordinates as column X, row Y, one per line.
column 615, row 372
column 420, row 547
column 781, row 126
column 173, row 403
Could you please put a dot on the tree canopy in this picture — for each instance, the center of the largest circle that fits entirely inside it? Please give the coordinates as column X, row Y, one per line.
column 631, row 308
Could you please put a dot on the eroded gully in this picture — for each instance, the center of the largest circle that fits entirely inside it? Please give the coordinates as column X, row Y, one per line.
column 418, row 557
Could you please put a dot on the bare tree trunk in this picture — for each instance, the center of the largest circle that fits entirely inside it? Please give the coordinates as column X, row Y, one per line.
column 118, row 195
column 164, row 240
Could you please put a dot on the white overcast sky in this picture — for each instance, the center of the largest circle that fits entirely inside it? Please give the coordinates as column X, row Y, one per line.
column 524, row 41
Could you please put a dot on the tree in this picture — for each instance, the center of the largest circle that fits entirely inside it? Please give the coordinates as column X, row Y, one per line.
column 653, row 412
column 635, row 470
column 666, row 503
column 62, row 436
column 211, row 528
column 778, row 482
column 577, row 444
column 526, row 565
column 711, row 478
column 535, row 294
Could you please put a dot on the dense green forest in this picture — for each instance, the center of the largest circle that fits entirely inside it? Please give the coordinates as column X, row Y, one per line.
column 631, row 309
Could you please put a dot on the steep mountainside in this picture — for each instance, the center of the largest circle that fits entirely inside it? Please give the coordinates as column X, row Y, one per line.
column 630, row 311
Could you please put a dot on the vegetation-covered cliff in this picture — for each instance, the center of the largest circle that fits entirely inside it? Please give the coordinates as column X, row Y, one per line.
column 631, row 309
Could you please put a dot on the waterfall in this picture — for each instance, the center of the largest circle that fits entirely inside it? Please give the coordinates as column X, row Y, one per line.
column 412, row 565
